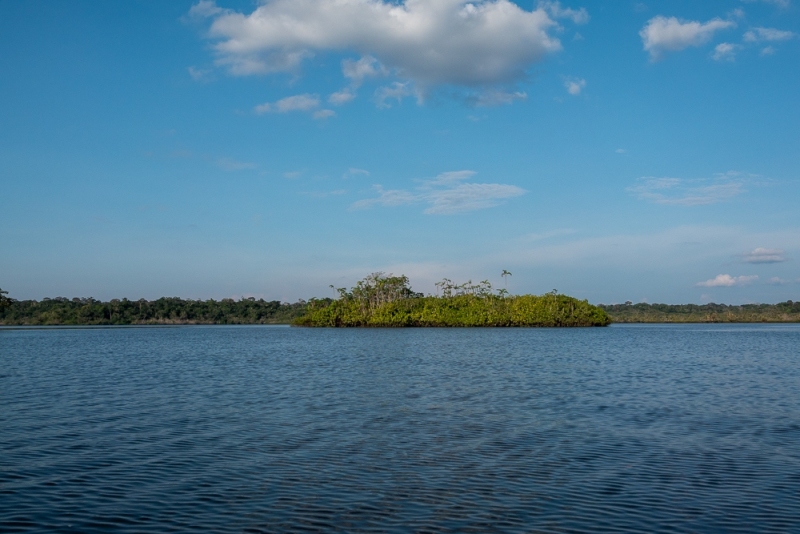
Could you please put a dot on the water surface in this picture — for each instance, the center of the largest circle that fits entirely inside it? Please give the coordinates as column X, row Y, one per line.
column 649, row 428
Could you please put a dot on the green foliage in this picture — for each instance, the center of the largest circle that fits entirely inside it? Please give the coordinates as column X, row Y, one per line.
column 5, row 302
column 783, row 312
column 466, row 304
column 88, row 311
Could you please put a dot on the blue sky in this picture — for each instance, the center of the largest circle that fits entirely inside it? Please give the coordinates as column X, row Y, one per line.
column 643, row 151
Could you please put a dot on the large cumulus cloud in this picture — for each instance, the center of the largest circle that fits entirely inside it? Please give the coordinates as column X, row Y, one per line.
column 430, row 42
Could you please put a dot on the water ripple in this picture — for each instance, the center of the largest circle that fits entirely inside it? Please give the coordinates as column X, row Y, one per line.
column 685, row 428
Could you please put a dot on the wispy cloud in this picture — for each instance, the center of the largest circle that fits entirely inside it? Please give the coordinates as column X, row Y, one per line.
column 777, row 281
column 324, row 194
column 304, row 102
column 397, row 91
column 228, row 164
column 765, row 255
column 205, row 9
column 323, row 114
column 494, row 97
column 726, row 280
column 757, row 35
column 783, row 4
column 547, row 235
column 342, row 97
column 200, row 75
column 578, row 16
column 670, row 34
column 725, row 52
column 446, row 194
column 353, row 171
column 575, row 86
column 307, row 103
column 359, row 70
column 688, row 192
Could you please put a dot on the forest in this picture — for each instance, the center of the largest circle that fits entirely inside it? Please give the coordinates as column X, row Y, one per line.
column 385, row 300
column 783, row 312
column 164, row 311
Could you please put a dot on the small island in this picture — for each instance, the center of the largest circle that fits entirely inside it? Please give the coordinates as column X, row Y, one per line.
column 376, row 301
column 387, row 301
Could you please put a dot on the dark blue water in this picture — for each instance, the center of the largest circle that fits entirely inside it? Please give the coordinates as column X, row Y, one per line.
column 270, row 429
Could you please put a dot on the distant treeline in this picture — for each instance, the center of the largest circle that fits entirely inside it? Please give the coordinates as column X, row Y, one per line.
column 783, row 312
column 388, row 301
column 88, row 311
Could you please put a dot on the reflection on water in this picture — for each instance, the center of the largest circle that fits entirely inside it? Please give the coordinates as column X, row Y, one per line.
column 264, row 429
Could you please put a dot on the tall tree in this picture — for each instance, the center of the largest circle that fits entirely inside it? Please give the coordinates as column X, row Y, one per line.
column 505, row 276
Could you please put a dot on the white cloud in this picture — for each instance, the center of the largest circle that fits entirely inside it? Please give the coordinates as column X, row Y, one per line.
column 669, row 34
column 737, row 13
column 391, row 197
column 446, row 194
column 725, row 52
column 304, row 102
column 397, row 91
column 757, row 35
column 323, row 114
column 765, row 255
column 494, row 97
column 575, row 86
column 767, row 51
column 469, row 197
column 431, row 42
column 228, row 164
column 366, row 67
column 578, row 16
column 204, row 9
column 342, row 97
column 200, row 75
column 726, row 280
column 621, row 151
column 681, row 192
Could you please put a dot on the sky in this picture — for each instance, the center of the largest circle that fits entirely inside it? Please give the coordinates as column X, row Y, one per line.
column 614, row 151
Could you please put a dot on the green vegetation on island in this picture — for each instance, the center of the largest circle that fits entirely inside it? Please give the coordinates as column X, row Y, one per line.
column 381, row 300
column 388, row 301
column 783, row 312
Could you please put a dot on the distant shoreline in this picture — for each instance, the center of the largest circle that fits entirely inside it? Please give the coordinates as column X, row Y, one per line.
column 782, row 312
column 173, row 312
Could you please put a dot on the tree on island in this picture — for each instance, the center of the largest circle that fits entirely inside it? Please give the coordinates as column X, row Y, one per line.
column 4, row 301
column 505, row 276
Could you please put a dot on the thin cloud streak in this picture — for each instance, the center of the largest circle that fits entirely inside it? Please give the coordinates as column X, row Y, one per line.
column 726, row 280
column 446, row 194
column 765, row 255
column 682, row 192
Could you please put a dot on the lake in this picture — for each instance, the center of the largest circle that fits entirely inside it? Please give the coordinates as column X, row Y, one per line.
column 631, row 428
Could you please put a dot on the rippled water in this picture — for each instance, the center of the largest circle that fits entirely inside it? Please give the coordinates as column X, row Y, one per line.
column 269, row 429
